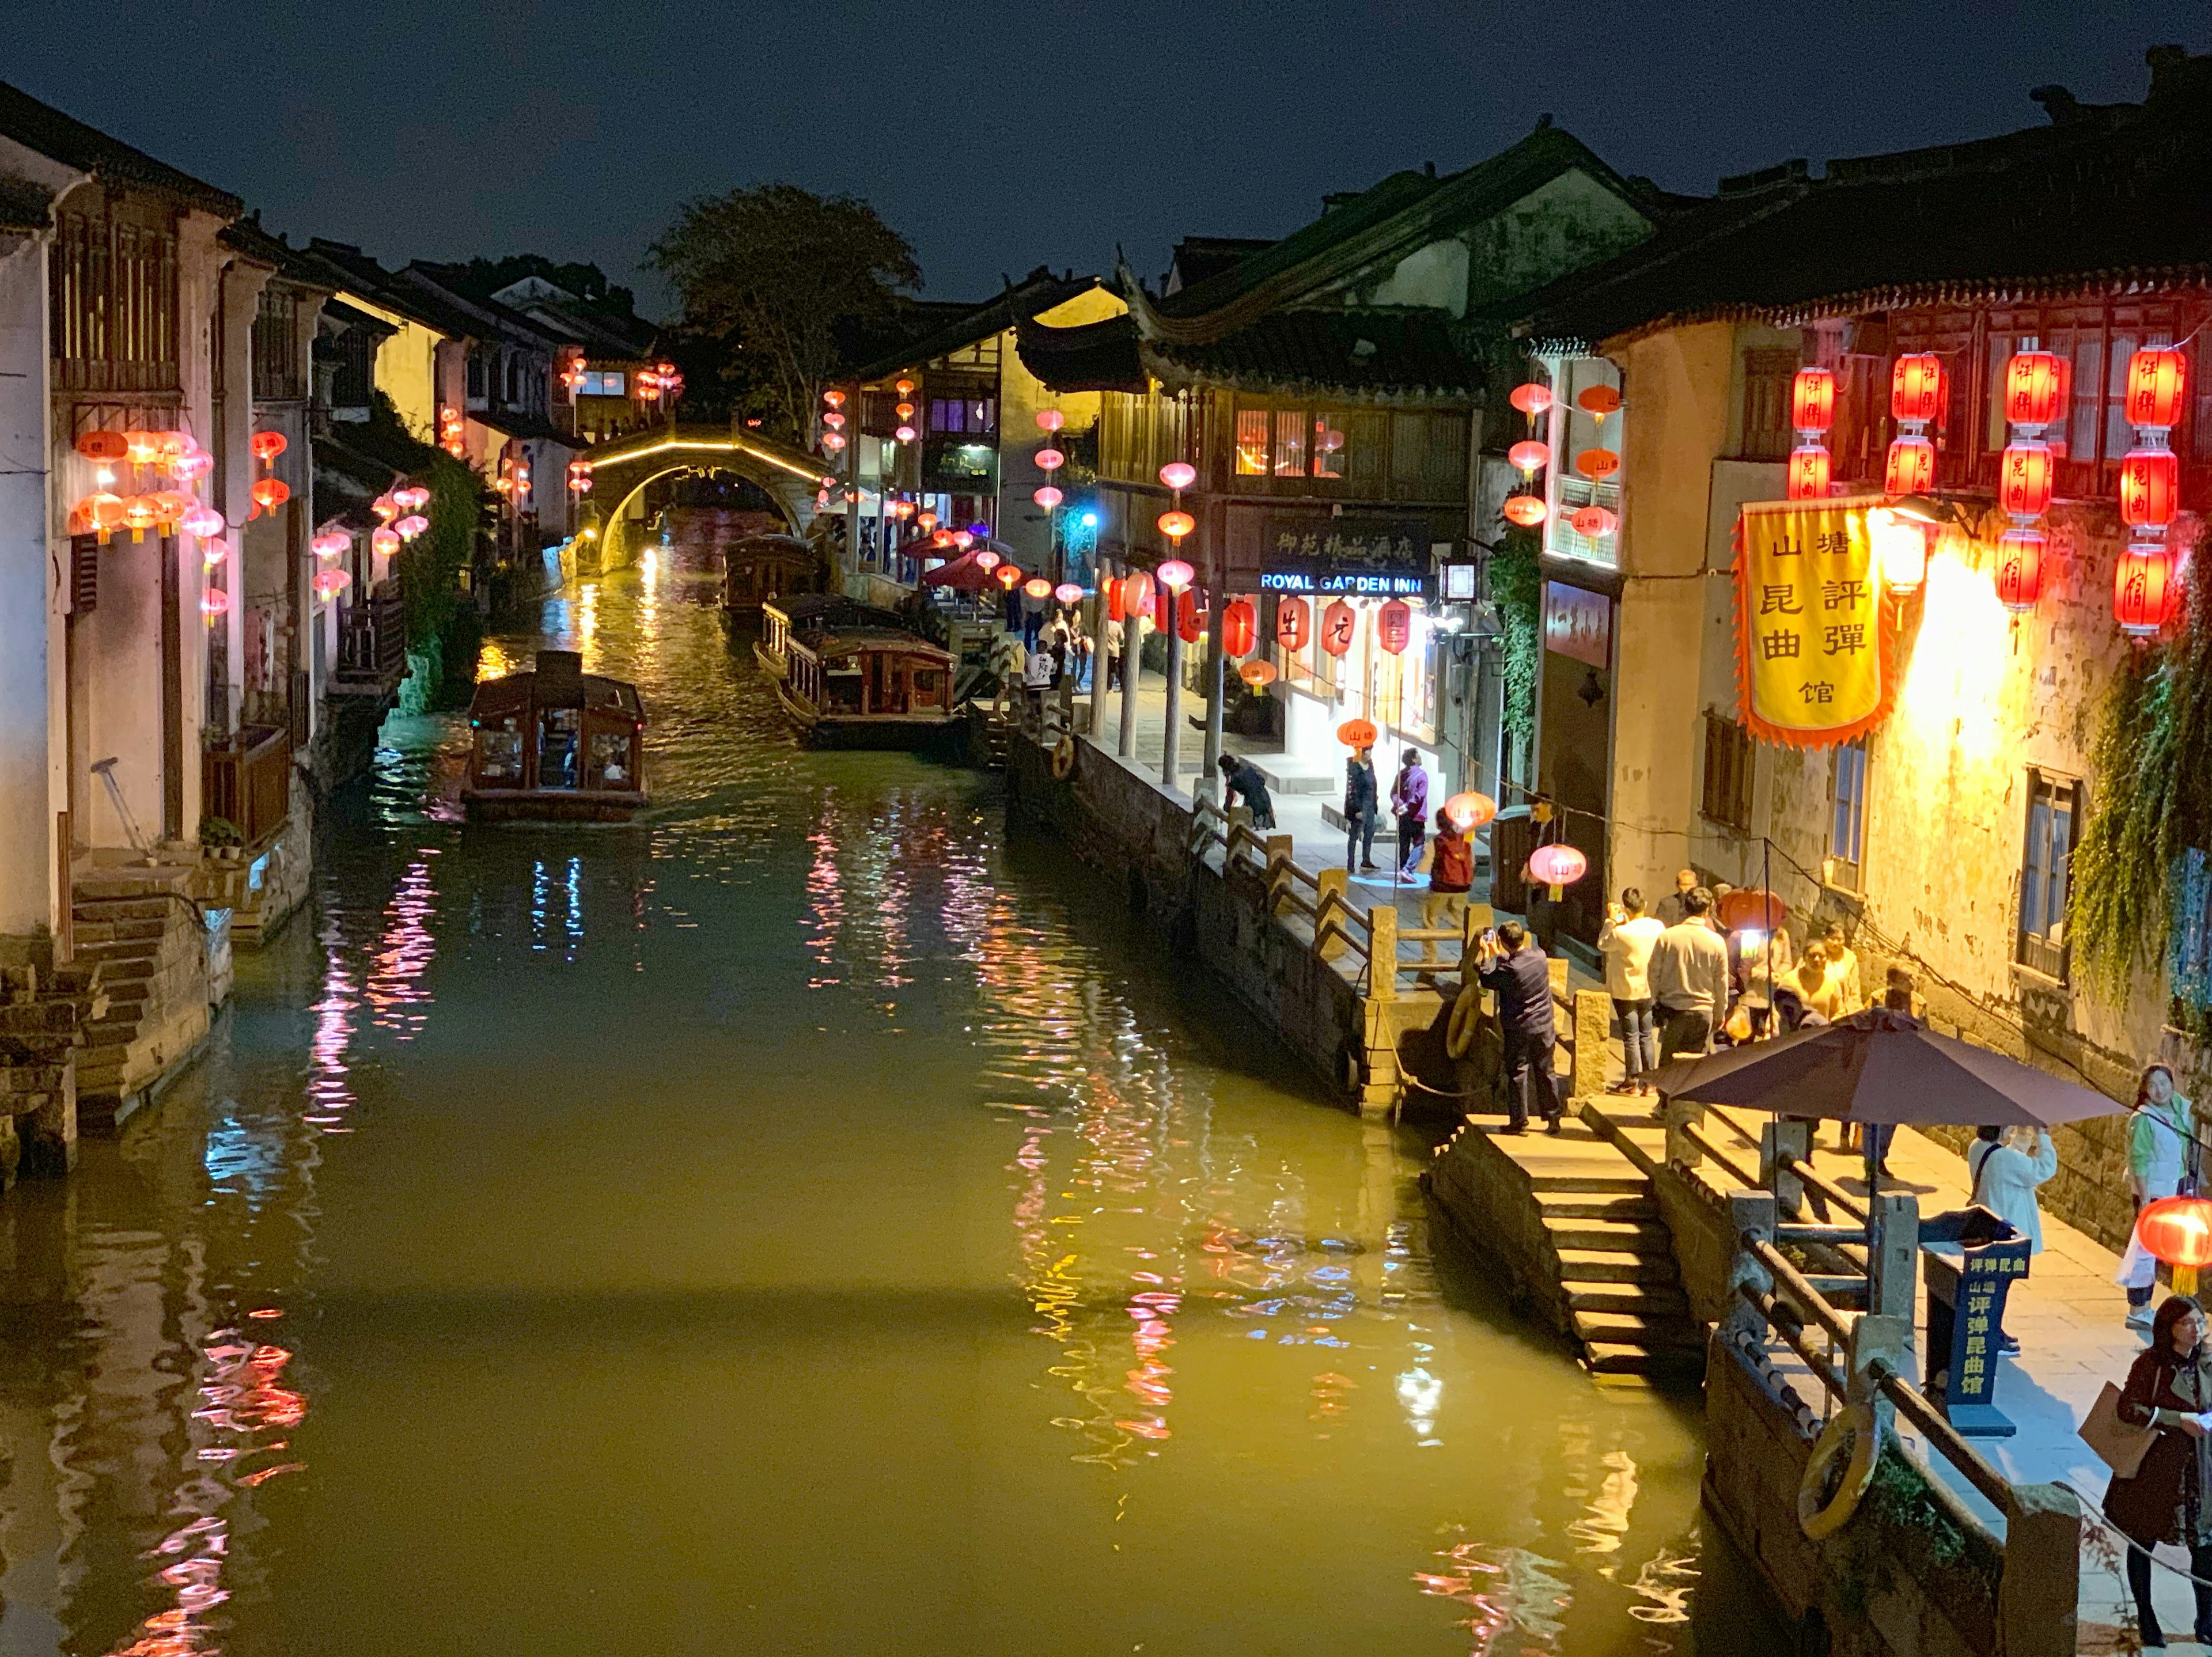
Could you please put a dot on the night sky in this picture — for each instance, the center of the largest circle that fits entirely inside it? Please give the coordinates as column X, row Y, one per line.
column 998, row 135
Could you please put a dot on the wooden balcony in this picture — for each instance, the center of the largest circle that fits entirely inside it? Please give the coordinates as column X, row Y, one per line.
column 248, row 782
column 372, row 647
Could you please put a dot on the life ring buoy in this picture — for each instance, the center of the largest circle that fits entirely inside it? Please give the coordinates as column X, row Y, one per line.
column 1466, row 1020
column 1063, row 757
column 1853, row 1427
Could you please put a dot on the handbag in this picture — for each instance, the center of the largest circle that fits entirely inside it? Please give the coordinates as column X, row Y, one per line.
column 2120, row 1445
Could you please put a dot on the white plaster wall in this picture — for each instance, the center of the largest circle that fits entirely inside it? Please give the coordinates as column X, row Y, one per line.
column 29, row 628
column 1434, row 277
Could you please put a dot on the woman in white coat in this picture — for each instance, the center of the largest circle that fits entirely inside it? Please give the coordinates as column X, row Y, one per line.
column 2161, row 1160
column 2007, row 1166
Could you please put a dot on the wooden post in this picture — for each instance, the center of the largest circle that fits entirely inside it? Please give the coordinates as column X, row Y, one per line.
column 2041, row 1581
column 1216, row 606
column 1328, row 938
column 1593, row 1028
column 1133, row 649
column 1171, row 723
column 1382, row 952
column 1095, row 609
column 1893, row 1253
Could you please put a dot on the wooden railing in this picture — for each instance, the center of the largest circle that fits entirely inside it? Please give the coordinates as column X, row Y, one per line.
column 373, row 640
column 248, row 782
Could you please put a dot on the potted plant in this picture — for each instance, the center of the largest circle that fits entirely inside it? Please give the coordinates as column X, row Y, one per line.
column 220, row 836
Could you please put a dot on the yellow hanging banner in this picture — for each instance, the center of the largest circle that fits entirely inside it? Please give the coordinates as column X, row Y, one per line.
column 1813, row 665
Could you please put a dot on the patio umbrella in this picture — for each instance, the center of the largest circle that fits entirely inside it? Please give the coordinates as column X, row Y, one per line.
column 1882, row 1067
column 963, row 574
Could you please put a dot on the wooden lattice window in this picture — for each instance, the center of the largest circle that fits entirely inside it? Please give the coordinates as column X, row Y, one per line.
column 113, row 300
column 1728, row 768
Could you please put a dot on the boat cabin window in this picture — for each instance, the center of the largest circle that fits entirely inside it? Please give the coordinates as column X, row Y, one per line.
column 499, row 753
column 560, row 730
column 842, row 680
column 613, row 759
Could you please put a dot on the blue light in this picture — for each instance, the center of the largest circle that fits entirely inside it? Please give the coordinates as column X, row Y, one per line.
column 1090, row 520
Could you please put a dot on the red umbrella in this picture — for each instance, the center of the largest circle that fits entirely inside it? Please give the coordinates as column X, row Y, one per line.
column 963, row 574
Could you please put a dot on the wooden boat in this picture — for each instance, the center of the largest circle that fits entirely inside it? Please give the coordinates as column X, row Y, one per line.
column 758, row 567
column 811, row 612
column 556, row 745
column 868, row 687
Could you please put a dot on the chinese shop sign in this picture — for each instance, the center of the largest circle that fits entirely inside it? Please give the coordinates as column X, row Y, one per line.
column 1578, row 623
column 1352, row 560
column 1812, row 663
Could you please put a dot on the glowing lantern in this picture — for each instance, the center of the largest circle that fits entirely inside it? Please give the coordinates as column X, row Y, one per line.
column 270, row 492
column 1007, row 576
column 214, row 601
column 940, row 538
column 2025, row 475
column 2178, row 1230
column 1357, row 733
column 1257, row 674
column 834, row 397
column 192, row 465
column 1598, row 401
column 102, row 445
column 925, row 520
column 1339, row 622
column 1178, row 474
column 384, row 542
column 1915, row 389
column 141, row 448
column 1293, row 623
column 412, row 525
column 1050, row 420
column 903, row 411
column 1174, row 574
column 986, row 560
column 1190, row 616
column 1813, row 400
column 1470, row 811
column 1556, row 865
column 1050, row 459
column 1069, row 593
column 170, row 507
column 330, row 543
column 416, row 497
column 213, row 552
column 1526, row 510
column 836, row 422
column 2156, row 379
column 1531, row 398
column 1808, row 472
column 961, row 539
column 1240, row 628
column 2034, row 382
column 833, row 442
column 2020, row 569
column 1528, row 455
column 1394, row 626
column 1590, row 522
column 1037, row 588
column 2142, row 590
column 1899, row 545
column 1597, row 462
column 903, row 434
column 1911, row 468
column 1749, row 909
column 331, row 582
column 1137, row 595
column 1176, row 524
column 104, row 514
column 384, row 506
column 202, row 522
column 1048, row 497
column 267, row 446
column 139, row 515
column 2150, row 485
column 903, row 386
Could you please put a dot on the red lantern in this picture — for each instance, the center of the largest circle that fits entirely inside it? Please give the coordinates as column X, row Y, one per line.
column 1590, row 522
column 1597, row 401
column 2142, row 590
column 1528, row 455
column 2150, row 485
column 1339, row 622
column 1911, row 469
column 270, row 492
column 1293, row 623
column 2178, row 1230
column 1813, row 400
column 2020, row 569
column 1915, row 389
column 1176, row 524
column 1556, row 865
column 2024, row 479
column 1114, row 593
column 2156, row 379
column 1257, row 674
column 1749, row 909
column 1008, row 576
column 1357, row 733
column 1526, row 510
column 1468, row 813
column 102, row 445
column 2034, row 385
column 1394, row 626
column 1531, row 399
column 1808, row 472
column 1240, row 628
column 267, row 446
column 1190, row 616
column 1597, row 462
column 1037, row 588
column 1137, row 596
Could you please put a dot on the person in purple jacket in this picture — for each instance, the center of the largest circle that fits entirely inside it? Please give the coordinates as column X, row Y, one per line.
column 1409, row 802
column 1513, row 967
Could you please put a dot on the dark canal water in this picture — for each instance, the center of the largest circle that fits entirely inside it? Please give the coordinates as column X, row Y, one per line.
column 803, row 1221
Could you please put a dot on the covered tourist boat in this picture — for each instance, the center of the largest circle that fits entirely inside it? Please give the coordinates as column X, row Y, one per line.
column 759, row 567
column 556, row 745
column 811, row 612
column 868, row 687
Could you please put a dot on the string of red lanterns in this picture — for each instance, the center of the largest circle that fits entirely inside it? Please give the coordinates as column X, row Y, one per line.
column 2143, row 588
column 1812, row 412
column 2035, row 392
column 1525, row 507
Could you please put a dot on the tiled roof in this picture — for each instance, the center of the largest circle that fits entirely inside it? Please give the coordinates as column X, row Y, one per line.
column 25, row 205
column 517, row 423
column 2114, row 197
column 1096, row 356
column 1377, row 353
column 1039, row 291
column 418, row 303
column 42, row 127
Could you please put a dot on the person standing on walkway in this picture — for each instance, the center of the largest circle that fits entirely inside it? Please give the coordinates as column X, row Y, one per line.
column 1674, row 908
column 1626, row 941
column 1359, row 811
column 1689, row 976
column 1451, row 871
column 1240, row 780
column 2162, row 1158
column 1114, row 635
column 1409, row 804
column 2007, row 1166
column 2169, row 1387
column 1843, row 966
column 1814, row 984
column 1512, row 965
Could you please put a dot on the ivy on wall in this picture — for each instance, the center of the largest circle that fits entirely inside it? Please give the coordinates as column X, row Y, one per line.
column 2152, row 805
column 1517, row 587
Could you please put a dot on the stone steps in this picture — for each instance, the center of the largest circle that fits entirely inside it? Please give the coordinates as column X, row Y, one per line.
column 1609, row 1236
column 1636, row 1299
column 1605, row 1265
column 1627, row 1206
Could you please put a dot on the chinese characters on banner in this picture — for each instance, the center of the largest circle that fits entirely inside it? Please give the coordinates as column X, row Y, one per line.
column 1813, row 667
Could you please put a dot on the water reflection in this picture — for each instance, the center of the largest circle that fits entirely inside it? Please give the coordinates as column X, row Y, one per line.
column 803, row 1186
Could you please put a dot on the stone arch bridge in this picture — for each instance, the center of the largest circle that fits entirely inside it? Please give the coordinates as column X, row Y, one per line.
column 613, row 518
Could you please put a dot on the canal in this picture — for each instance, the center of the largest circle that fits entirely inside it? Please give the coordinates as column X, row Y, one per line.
column 805, row 1220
